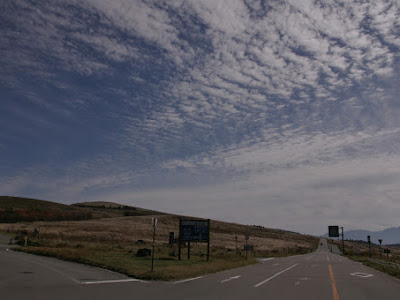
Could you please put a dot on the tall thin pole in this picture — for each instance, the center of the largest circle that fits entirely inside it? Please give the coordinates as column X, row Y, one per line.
column 154, row 221
column 247, row 237
column 179, row 239
column 208, row 240
column 342, row 240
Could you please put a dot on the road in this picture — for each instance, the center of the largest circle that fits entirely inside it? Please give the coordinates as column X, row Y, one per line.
column 319, row 275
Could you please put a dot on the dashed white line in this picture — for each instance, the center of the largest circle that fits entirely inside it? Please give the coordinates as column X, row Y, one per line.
column 309, row 257
column 272, row 277
column 113, row 281
column 231, row 278
column 186, row 280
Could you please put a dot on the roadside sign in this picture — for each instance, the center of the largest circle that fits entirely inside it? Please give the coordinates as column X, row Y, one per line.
column 333, row 231
column 387, row 251
column 194, row 231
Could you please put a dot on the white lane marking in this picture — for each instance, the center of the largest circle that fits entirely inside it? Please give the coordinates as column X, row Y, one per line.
column 274, row 265
column 84, row 282
column 361, row 274
column 113, row 281
column 309, row 257
column 327, row 257
column 272, row 277
column 265, row 259
column 231, row 278
column 186, row 280
column 296, row 283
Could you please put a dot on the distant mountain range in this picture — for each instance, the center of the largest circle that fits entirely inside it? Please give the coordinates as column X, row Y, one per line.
column 389, row 236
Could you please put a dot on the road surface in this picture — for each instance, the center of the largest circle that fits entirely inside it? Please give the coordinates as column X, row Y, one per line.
column 319, row 275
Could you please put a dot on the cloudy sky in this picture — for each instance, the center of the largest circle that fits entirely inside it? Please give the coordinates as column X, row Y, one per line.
column 277, row 113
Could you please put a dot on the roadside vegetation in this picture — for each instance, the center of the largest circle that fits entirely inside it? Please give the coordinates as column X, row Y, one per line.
column 374, row 257
column 113, row 243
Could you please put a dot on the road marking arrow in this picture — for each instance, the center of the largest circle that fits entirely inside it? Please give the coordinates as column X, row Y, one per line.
column 231, row 278
column 361, row 274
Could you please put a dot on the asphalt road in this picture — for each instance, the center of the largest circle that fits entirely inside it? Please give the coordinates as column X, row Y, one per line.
column 320, row 275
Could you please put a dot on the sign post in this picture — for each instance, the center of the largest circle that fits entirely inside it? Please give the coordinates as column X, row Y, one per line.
column 247, row 238
column 369, row 245
column 154, row 223
column 342, row 240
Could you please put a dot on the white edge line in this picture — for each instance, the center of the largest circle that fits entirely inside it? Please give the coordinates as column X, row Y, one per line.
column 113, row 281
column 186, row 280
column 50, row 268
column 266, row 259
column 277, row 274
column 309, row 257
column 80, row 282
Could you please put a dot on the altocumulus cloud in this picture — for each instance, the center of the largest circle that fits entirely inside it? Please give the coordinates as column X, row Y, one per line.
column 278, row 113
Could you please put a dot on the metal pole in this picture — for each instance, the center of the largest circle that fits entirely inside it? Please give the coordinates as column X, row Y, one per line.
column 179, row 239
column 369, row 245
column 208, row 241
column 188, row 250
column 152, row 252
column 247, row 237
column 342, row 240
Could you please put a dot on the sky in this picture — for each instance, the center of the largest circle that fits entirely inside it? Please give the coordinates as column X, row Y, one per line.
column 284, row 114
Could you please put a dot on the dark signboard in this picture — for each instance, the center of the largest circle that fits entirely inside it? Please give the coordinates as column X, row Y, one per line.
column 248, row 247
column 333, row 231
column 194, row 230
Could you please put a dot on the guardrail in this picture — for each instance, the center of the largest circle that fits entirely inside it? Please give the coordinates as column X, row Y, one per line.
column 385, row 263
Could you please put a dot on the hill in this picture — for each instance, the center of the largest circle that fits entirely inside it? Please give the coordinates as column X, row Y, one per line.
column 115, row 210
column 111, row 242
column 18, row 209
column 389, row 236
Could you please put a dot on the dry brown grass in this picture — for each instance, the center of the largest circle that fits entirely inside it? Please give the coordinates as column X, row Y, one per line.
column 125, row 231
column 112, row 242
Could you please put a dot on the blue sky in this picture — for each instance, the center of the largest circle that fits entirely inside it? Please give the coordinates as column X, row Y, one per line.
column 277, row 113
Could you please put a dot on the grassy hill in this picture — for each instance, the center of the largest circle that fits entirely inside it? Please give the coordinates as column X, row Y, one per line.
column 113, row 210
column 113, row 233
column 18, row 209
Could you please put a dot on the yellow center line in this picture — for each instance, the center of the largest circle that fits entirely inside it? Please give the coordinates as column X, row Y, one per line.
column 334, row 290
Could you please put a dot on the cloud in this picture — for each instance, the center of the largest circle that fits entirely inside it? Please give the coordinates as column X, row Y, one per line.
column 268, row 108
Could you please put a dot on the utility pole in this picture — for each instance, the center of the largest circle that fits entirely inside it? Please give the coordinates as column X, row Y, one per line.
column 342, row 240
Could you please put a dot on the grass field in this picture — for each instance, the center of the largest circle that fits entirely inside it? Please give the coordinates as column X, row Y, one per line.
column 112, row 243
